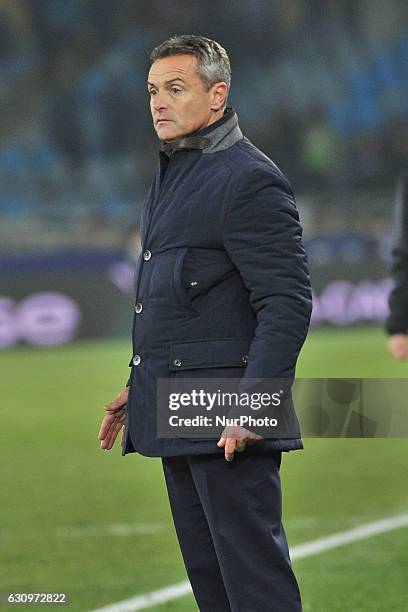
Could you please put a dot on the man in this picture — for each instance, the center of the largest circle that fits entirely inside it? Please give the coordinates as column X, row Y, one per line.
column 222, row 290
column 397, row 321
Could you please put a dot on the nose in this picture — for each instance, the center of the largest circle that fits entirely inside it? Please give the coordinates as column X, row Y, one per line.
column 159, row 102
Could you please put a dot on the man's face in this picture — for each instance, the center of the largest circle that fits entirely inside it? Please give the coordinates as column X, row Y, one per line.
column 179, row 101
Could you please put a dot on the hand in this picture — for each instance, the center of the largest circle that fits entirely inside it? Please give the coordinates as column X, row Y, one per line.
column 235, row 438
column 114, row 420
column 398, row 346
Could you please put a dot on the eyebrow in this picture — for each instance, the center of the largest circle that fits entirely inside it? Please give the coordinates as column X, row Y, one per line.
column 149, row 84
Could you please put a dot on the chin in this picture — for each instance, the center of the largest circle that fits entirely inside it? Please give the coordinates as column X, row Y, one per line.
column 164, row 133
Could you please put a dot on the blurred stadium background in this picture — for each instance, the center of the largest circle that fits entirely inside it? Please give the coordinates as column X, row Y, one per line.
column 322, row 88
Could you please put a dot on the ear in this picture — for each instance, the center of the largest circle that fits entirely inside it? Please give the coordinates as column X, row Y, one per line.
column 219, row 92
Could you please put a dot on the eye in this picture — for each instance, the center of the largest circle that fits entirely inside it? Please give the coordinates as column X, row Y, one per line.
column 152, row 92
column 175, row 90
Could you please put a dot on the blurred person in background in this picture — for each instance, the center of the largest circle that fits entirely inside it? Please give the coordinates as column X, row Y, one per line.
column 222, row 273
column 397, row 321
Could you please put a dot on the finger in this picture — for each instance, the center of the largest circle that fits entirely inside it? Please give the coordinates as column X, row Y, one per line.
column 221, row 442
column 113, row 408
column 119, row 428
column 253, row 439
column 119, row 401
column 254, row 436
column 108, row 426
column 109, row 441
column 230, row 448
column 114, row 435
column 240, row 447
column 117, row 420
column 105, row 440
column 106, row 423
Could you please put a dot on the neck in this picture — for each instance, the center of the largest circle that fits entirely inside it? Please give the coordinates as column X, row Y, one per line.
column 216, row 136
column 214, row 116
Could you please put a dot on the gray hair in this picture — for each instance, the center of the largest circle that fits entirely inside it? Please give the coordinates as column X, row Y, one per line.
column 213, row 61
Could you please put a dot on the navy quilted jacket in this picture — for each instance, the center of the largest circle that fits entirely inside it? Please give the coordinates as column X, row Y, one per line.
column 221, row 285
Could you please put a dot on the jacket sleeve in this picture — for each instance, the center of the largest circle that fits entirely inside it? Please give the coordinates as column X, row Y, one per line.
column 263, row 237
column 397, row 321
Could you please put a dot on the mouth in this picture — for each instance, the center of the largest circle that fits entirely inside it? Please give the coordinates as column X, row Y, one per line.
column 159, row 121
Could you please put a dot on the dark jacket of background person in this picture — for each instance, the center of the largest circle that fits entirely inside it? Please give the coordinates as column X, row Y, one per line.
column 222, row 279
column 397, row 321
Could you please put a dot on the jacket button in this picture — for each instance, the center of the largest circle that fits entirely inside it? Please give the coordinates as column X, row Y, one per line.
column 136, row 360
column 147, row 255
column 177, row 362
column 245, row 358
column 138, row 307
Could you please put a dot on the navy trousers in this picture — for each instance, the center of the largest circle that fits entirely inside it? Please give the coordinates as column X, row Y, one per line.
column 228, row 522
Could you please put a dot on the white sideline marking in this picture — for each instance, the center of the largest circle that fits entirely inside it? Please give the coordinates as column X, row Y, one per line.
column 89, row 531
column 347, row 537
column 149, row 599
column 110, row 530
column 139, row 602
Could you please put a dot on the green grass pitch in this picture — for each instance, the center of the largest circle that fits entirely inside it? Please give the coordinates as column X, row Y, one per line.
column 97, row 525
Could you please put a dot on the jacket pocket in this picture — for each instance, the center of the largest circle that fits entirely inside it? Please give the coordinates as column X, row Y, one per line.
column 217, row 353
column 179, row 289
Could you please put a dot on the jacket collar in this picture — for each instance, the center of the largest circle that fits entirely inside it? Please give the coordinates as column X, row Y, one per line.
column 218, row 136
